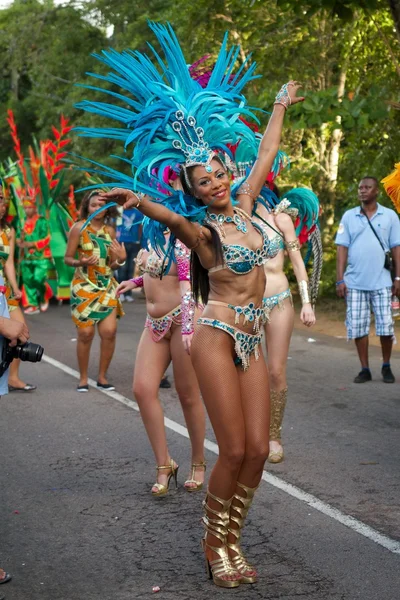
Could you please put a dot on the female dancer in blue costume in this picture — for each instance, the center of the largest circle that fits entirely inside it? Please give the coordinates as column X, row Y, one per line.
column 168, row 331
column 280, row 313
column 173, row 119
column 229, row 252
column 279, row 226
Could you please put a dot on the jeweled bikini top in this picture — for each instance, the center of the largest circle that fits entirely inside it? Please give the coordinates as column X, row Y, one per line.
column 276, row 244
column 156, row 266
column 153, row 266
column 240, row 259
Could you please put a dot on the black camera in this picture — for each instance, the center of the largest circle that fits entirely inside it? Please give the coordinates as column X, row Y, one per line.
column 27, row 352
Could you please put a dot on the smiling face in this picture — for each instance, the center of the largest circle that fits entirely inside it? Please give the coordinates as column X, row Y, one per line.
column 213, row 189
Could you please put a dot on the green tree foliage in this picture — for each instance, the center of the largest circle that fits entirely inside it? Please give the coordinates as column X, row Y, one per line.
column 345, row 53
column 44, row 50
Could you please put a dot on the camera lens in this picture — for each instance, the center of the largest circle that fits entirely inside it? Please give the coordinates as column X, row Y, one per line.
column 30, row 352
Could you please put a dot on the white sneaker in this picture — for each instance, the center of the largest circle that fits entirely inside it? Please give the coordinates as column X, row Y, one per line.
column 122, row 297
column 130, row 299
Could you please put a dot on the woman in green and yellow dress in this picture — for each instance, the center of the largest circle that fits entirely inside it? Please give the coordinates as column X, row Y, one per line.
column 12, row 292
column 93, row 298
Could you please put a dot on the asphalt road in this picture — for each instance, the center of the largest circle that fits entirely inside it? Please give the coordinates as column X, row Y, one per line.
column 78, row 522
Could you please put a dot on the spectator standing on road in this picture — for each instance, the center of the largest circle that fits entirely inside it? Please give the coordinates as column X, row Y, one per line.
column 12, row 292
column 366, row 235
column 129, row 233
column 15, row 331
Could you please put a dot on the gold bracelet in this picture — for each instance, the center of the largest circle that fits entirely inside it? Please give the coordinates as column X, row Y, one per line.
column 293, row 246
column 139, row 199
column 304, row 294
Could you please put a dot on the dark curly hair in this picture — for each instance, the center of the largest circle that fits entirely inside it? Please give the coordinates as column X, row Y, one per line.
column 111, row 213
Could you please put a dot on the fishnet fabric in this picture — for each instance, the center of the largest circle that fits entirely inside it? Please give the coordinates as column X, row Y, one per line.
column 237, row 403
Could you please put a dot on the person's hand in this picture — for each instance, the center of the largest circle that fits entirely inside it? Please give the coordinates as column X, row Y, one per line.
column 396, row 288
column 187, row 342
column 287, row 95
column 125, row 286
column 293, row 88
column 22, row 244
column 341, row 290
column 307, row 315
column 15, row 331
column 89, row 260
column 17, row 293
column 125, row 198
column 118, row 250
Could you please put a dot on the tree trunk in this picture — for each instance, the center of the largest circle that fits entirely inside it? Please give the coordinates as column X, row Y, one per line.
column 395, row 10
column 14, row 82
column 337, row 135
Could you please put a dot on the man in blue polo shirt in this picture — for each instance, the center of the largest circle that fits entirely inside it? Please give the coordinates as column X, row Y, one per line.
column 367, row 283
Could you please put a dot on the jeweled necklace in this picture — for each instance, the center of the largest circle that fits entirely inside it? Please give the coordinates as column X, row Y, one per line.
column 220, row 219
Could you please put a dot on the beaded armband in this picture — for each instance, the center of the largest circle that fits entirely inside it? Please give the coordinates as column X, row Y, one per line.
column 293, row 246
column 246, row 188
column 283, row 97
column 182, row 255
column 304, row 293
column 188, row 307
column 138, row 281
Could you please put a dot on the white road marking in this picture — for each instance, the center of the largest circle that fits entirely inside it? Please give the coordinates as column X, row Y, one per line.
column 292, row 490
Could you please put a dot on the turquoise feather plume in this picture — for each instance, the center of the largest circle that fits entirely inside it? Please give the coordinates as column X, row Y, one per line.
column 97, row 212
column 152, row 93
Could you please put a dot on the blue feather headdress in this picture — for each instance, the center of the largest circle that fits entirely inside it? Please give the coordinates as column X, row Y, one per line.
column 167, row 117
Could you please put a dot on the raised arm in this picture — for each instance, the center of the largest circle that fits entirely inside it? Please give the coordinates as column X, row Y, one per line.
column 271, row 139
column 184, row 230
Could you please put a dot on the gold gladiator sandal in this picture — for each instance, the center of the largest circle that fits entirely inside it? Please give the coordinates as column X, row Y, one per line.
column 278, row 404
column 239, row 561
column 162, row 490
column 218, row 527
column 198, row 485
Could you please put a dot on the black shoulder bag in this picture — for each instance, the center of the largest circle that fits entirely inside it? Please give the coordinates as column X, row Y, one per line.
column 388, row 257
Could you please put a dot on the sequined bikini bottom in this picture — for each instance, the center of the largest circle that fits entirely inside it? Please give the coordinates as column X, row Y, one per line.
column 249, row 313
column 246, row 344
column 159, row 327
column 276, row 300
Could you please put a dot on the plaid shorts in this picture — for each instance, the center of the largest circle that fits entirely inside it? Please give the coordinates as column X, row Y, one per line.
column 358, row 312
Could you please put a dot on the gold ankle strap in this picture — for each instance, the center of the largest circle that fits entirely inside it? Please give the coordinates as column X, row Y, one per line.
column 170, row 466
column 245, row 502
column 218, row 525
column 224, row 503
column 248, row 490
